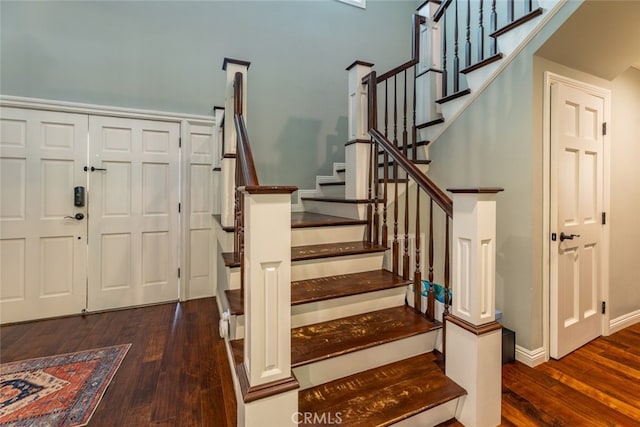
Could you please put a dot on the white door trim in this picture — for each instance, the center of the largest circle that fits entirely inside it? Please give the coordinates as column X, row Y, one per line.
column 549, row 79
column 100, row 110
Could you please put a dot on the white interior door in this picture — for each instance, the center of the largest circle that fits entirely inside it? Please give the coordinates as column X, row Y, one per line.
column 133, row 212
column 42, row 244
column 576, row 212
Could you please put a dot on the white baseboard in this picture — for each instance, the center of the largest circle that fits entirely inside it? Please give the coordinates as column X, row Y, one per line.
column 624, row 321
column 531, row 358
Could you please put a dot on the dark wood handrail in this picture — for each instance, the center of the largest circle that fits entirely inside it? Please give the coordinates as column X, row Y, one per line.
column 423, row 181
column 441, row 10
column 415, row 52
column 245, row 157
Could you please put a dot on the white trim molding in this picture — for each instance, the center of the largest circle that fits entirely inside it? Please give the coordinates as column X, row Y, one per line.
column 531, row 358
column 101, row 110
column 624, row 321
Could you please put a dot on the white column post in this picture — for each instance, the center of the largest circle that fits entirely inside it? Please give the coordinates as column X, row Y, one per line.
column 429, row 82
column 269, row 389
column 473, row 337
column 358, row 146
column 228, row 177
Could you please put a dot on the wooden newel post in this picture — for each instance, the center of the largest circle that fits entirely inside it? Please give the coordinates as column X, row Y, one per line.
column 231, row 66
column 473, row 337
column 269, row 389
column 357, row 147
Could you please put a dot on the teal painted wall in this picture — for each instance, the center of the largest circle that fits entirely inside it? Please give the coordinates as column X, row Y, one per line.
column 167, row 56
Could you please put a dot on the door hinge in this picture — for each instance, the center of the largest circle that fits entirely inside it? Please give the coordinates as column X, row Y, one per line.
column 178, row 272
column 604, row 218
column 179, row 207
column 180, row 142
column 604, row 307
column 604, row 128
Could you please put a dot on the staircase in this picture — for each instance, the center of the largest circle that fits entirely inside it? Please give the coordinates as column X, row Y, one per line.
column 356, row 348
column 366, row 345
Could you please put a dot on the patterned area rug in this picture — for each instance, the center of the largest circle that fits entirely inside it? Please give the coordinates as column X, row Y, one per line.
column 62, row 390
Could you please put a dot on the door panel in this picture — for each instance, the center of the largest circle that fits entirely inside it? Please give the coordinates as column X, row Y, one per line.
column 133, row 228
column 42, row 250
column 577, row 174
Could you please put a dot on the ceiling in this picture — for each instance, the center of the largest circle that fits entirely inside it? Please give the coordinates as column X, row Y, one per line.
column 601, row 38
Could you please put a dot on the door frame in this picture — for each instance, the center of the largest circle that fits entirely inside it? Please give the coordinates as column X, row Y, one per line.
column 550, row 79
column 186, row 122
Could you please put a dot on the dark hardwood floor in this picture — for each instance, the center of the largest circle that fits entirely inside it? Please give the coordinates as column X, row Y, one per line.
column 597, row 385
column 176, row 372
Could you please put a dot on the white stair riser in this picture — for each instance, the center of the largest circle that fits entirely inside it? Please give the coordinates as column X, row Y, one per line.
column 476, row 78
column 333, row 190
column 345, row 210
column 322, row 311
column 320, row 235
column 430, row 133
column 321, row 267
column 509, row 41
column 348, row 364
column 449, row 109
column 433, row 416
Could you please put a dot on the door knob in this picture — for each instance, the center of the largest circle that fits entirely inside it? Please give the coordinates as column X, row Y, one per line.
column 564, row 237
column 93, row 169
column 79, row 216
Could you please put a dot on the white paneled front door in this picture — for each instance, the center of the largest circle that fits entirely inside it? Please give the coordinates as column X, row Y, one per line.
column 576, row 209
column 121, row 248
column 43, row 236
column 133, row 212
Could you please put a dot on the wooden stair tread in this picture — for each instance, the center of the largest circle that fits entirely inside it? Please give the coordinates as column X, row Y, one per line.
column 333, row 338
column 410, row 146
column 433, row 122
column 328, row 250
column 324, row 250
column 336, row 200
column 383, row 395
column 484, row 62
column 453, row 96
column 324, row 288
column 324, row 340
column 312, row 219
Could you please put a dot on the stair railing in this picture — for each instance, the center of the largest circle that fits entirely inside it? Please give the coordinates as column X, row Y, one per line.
column 245, row 175
column 262, row 249
column 397, row 161
column 398, row 144
column 469, row 36
column 470, row 331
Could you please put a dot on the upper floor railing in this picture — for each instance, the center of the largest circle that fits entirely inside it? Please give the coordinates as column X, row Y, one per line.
column 469, row 32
